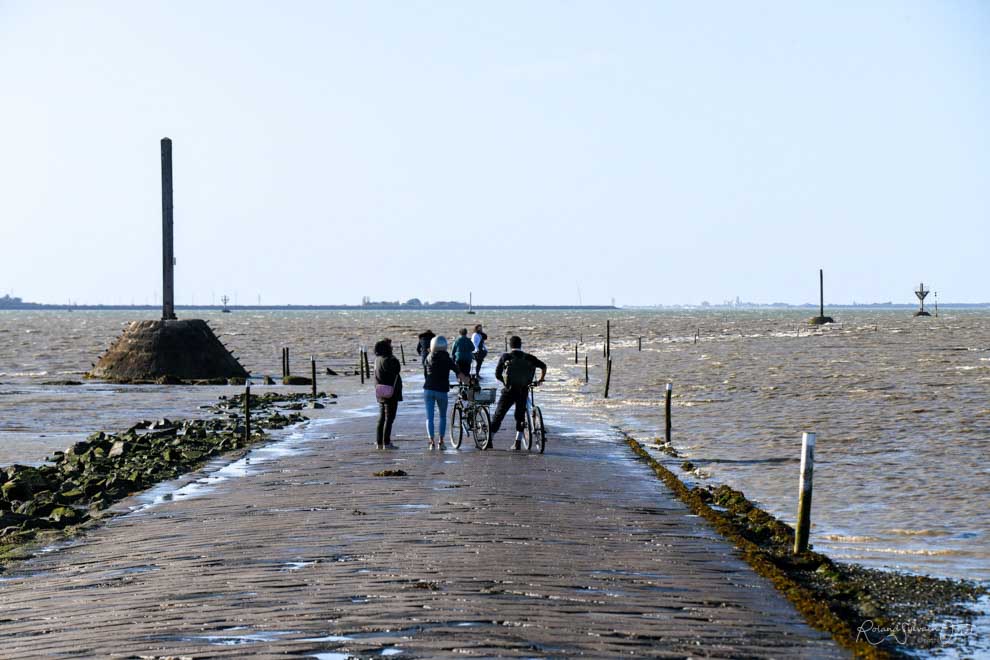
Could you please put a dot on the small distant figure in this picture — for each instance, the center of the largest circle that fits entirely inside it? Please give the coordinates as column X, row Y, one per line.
column 388, row 390
column 436, row 387
column 423, row 347
column 480, row 348
column 515, row 370
column 463, row 353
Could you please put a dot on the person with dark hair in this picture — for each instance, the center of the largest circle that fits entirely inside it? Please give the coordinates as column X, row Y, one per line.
column 436, row 386
column 463, row 353
column 515, row 370
column 388, row 390
column 480, row 348
column 423, row 347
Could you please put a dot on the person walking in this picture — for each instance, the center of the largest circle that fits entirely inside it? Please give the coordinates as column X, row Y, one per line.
column 515, row 370
column 423, row 347
column 388, row 391
column 463, row 353
column 480, row 348
column 436, row 387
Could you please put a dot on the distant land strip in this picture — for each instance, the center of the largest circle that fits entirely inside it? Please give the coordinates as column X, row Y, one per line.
column 352, row 308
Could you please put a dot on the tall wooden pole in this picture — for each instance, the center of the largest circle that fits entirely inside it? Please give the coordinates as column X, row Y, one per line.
column 821, row 292
column 666, row 412
column 168, row 254
column 247, row 413
column 312, row 364
column 608, row 375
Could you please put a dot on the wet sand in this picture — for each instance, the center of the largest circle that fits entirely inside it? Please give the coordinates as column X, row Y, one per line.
column 304, row 552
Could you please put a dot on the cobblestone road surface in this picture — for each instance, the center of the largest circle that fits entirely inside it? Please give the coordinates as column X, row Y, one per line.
column 300, row 551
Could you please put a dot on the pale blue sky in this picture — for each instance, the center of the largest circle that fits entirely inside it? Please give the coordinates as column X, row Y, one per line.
column 655, row 152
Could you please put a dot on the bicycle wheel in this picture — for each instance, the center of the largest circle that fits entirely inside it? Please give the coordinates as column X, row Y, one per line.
column 539, row 431
column 482, row 428
column 457, row 425
column 527, row 439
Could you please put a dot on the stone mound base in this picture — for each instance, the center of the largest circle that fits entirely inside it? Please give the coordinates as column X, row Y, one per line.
column 820, row 320
column 168, row 352
column 922, row 314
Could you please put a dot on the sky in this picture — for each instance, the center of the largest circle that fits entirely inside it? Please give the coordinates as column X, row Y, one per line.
column 528, row 152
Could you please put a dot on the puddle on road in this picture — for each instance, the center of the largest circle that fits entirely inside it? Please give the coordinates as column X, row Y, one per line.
column 329, row 638
column 239, row 640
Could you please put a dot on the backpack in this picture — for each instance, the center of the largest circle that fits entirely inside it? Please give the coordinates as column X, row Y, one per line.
column 519, row 371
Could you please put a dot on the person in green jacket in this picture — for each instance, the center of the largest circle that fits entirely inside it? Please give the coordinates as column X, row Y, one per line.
column 463, row 352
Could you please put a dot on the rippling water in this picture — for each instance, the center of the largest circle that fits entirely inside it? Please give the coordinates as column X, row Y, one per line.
column 900, row 404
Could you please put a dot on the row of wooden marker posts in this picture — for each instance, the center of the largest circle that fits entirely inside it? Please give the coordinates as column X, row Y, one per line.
column 805, row 486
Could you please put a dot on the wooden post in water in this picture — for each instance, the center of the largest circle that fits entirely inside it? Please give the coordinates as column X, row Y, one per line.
column 288, row 370
column 575, row 354
column 804, row 494
column 312, row 364
column 506, row 344
column 666, row 411
column 168, row 252
column 608, row 375
column 247, row 413
column 402, row 352
column 821, row 292
column 640, row 343
column 586, row 369
column 361, row 364
column 696, row 333
column 367, row 367
column 283, row 362
column 608, row 338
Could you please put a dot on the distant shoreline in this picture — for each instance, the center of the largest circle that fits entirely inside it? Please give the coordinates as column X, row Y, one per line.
column 27, row 306
column 348, row 308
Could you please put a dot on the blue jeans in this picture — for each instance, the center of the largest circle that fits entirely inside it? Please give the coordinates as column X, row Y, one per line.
column 439, row 400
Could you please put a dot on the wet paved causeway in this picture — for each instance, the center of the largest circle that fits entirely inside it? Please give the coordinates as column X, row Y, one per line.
column 577, row 552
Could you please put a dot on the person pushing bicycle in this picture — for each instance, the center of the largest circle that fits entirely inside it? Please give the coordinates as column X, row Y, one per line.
column 515, row 370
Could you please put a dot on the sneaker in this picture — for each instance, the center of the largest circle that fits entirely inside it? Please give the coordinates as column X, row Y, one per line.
column 431, row 444
column 441, row 446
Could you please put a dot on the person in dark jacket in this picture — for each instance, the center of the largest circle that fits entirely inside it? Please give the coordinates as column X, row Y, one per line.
column 463, row 352
column 515, row 370
column 423, row 347
column 388, row 371
column 436, row 386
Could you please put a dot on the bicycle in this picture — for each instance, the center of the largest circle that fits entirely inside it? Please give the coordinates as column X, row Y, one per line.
column 470, row 415
column 534, row 432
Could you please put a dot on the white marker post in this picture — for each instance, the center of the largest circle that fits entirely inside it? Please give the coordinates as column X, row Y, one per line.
column 804, row 496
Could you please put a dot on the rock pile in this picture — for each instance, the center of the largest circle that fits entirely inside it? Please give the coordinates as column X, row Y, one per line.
column 106, row 467
column 168, row 352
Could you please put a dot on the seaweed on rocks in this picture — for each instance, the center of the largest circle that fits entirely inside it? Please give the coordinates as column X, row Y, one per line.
column 842, row 599
column 78, row 484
